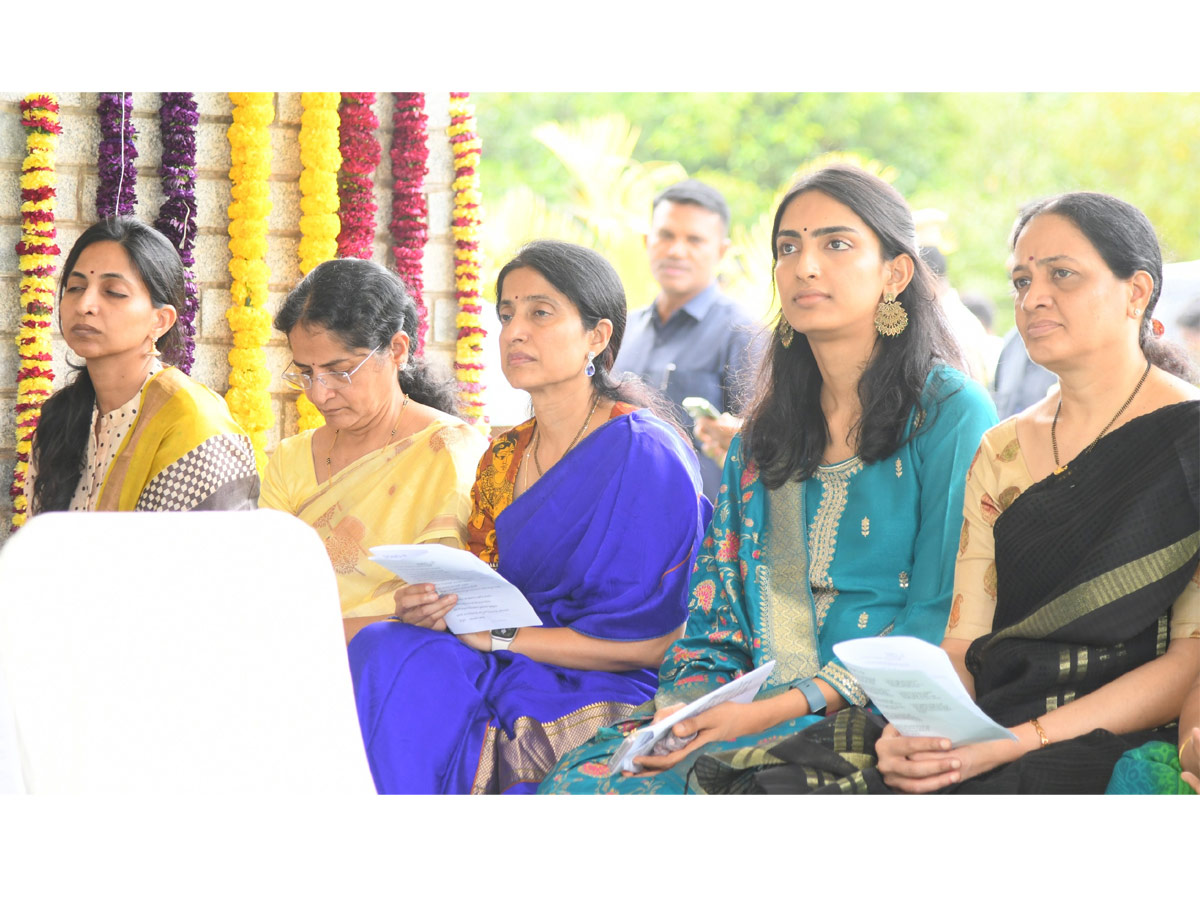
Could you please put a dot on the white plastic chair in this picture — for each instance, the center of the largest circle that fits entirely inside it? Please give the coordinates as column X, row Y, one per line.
column 193, row 652
column 11, row 779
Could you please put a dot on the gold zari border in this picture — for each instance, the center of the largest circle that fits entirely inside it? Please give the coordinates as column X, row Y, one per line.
column 1101, row 590
column 785, row 610
column 534, row 748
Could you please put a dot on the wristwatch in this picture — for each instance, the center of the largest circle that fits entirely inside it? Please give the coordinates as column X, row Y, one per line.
column 808, row 687
column 502, row 637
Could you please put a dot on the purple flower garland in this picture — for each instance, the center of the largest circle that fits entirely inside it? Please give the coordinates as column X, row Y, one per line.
column 118, row 176
column 177, row 215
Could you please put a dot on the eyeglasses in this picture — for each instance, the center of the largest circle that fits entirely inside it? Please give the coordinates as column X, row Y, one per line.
column 334, row 381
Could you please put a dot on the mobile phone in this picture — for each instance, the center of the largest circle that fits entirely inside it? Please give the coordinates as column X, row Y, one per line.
column 699, row 408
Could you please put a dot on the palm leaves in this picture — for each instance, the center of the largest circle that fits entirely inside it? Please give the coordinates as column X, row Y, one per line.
column 609, row 201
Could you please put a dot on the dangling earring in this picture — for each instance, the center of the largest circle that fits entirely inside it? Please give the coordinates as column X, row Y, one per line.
column 890, row 316
column 154, row 351
column 591, row 367
column 786, row 333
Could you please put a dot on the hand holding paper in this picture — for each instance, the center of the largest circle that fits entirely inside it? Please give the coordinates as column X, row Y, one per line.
column 914, row 685
column 485, row 599
column 658, row 739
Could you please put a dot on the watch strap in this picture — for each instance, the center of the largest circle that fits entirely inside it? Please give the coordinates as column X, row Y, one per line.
column 812, row 693
column 502, row 637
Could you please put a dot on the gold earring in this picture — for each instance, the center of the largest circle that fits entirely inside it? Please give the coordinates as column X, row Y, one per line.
column 154, row 351
column 786, row 332
column 890, row 316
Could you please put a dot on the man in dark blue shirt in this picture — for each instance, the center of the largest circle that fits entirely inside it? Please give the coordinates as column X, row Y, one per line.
column 692, row 341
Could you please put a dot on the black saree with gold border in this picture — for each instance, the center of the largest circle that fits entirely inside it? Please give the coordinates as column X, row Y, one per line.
column 1088, row 565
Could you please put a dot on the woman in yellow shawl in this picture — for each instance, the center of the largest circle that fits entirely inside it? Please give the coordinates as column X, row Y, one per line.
column 392, row 464
column 130, row 431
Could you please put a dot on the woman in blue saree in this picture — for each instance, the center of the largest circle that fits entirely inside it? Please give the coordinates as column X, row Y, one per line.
column 593, row 509
column 841, row 502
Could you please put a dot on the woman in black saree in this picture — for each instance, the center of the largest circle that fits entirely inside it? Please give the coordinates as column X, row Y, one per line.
column 1076, row 612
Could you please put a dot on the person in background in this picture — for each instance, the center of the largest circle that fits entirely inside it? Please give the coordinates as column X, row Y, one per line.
column 131, row 431
column 982, row 307
column 392, row 464
column 692, row 340
column 967, row 329
column 1019, row 382
column 1189, row 330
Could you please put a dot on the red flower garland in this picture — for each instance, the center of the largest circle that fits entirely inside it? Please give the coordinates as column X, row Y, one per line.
column 356, row 190
column 410, row 211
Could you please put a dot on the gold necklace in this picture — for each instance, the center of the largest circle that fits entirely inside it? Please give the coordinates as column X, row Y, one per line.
column 537, row 437
column 536, row 443
column 525, row 461
column 1059, row 469
column 333, row 443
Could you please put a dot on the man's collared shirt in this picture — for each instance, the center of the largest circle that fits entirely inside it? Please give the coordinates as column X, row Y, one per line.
column 703, row 350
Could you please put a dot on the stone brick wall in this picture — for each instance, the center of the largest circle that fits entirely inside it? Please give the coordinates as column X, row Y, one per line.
column 76, row 210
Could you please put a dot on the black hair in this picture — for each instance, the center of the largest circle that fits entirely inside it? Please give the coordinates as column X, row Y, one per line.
column 62, row 431
column 364, row 305
column 594, row 288
column 785, row 430
column 1125, row 240
column 697, row 193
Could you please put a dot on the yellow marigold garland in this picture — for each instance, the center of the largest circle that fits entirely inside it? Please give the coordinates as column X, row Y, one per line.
column 37, row 254
column 248, row 397
column 468, row 354
column 321, row 158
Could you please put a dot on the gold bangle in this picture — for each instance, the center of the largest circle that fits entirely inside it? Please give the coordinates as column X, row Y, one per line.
column 1183, row 747
column 1041, row 733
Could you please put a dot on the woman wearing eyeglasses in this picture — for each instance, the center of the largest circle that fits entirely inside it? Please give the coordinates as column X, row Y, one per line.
column 392, row 464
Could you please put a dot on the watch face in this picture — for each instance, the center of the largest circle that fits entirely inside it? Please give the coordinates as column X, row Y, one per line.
column 504, row 634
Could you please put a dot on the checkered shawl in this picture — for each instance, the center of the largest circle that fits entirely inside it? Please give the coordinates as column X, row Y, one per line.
column 184, row 452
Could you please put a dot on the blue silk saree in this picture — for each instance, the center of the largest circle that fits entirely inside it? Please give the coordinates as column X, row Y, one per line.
column 603, row 543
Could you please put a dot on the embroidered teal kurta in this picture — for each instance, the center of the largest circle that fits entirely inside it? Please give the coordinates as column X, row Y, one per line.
column 856, row 550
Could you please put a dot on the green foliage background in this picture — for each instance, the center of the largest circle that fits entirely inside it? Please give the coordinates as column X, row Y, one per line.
column 977, row 157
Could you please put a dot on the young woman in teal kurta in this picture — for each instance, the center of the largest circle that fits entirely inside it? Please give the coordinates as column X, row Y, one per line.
column 858, row 549
column 861, row 539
